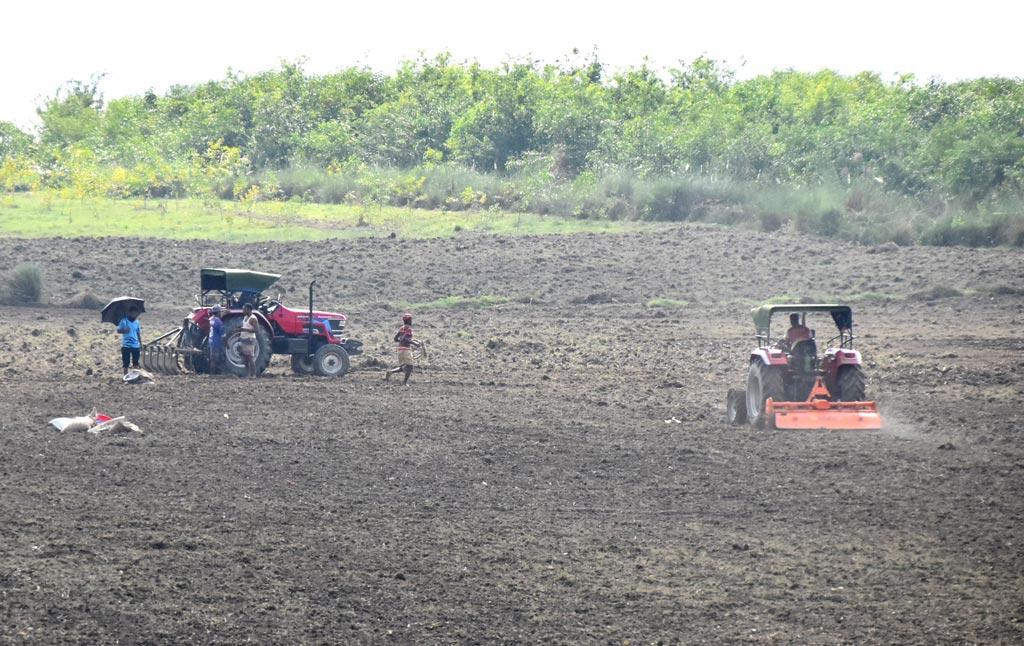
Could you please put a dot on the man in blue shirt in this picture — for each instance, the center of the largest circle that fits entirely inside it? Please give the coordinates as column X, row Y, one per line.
column 131, row 343
column 216, row 340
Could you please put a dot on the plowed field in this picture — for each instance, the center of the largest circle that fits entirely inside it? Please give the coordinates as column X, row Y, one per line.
column 560, row 473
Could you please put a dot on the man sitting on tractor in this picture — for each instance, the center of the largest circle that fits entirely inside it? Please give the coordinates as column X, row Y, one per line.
column 797, row 332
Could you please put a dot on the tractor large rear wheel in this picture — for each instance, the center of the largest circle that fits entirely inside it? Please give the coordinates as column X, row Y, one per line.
column 763, row 382
column 851, row 384
column 233, row 362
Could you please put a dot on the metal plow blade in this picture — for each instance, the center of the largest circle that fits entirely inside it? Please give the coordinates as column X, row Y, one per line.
column 160, row 359
column 167, row 355
column 820, row 413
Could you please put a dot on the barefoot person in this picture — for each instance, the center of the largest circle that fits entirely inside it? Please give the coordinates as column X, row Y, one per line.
column 216, row 341
column 405, row 347
column 247, row 339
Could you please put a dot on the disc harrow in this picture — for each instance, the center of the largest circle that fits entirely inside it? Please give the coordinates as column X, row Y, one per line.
column 168, row 354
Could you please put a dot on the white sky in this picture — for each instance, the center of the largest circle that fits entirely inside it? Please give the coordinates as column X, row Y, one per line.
column 142, row 45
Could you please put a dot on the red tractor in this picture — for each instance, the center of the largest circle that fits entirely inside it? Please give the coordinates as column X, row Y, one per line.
column 314, row 339
column 790, row 386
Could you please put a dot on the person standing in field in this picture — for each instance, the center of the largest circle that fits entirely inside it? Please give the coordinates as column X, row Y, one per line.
column 216, row 343
column 131, row 340
column 247, row 341
column 406, row 343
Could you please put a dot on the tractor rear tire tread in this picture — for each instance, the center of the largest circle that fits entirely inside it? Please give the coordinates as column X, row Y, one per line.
column 763, row 382
column 852, row 384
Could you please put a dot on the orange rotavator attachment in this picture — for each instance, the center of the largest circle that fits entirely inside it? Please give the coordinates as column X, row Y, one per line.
column 820, row 413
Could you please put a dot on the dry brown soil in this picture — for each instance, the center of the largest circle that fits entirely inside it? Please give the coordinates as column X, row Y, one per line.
column 561, row 472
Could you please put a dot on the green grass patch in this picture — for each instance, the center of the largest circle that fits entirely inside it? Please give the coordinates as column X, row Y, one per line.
column 806, row 299
column 666, row 302
column 935, row 293
column 459, row 302
column 866, row 296
column 45, row 215
column 787, row 299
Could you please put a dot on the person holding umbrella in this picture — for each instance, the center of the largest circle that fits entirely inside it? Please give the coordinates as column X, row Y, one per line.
column 131, row 341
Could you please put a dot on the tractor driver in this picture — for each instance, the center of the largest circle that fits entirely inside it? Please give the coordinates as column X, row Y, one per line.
column 797, row 331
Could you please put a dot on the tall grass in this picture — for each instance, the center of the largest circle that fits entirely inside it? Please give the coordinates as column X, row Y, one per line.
column 23, row 285
column 442, row 199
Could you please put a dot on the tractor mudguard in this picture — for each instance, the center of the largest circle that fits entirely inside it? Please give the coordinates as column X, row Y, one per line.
column 834, row 359
column 769, row 356
column 842, row 356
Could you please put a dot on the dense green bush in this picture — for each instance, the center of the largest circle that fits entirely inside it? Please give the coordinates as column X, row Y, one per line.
column 821, row 153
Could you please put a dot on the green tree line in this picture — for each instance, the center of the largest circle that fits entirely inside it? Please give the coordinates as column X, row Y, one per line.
column 571, row 139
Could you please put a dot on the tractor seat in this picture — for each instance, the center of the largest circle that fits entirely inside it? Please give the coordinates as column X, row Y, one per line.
column 805, row 346
column 804, row 355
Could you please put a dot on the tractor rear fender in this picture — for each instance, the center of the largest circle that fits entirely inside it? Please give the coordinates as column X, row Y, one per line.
column 768, row 356
column 836, row 358
column 200, row 317
column 260, row 316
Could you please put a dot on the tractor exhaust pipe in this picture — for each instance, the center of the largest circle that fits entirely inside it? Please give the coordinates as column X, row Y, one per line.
column 309, row 325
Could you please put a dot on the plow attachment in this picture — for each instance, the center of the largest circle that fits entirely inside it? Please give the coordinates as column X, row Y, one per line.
column 820, row 413
column 168, row 354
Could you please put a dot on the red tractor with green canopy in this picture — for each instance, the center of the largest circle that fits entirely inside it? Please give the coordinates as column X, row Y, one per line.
column 314, row 339
column 790, row 384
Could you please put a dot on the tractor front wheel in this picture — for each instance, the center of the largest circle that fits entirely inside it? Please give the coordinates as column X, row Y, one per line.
column 330, row 361
column 851, row 384
column 763, row 382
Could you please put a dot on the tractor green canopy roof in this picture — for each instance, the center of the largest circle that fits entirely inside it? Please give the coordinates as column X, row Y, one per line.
column 841, row 314
column 235, row 280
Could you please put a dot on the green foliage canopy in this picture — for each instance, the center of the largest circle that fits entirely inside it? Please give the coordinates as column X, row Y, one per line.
column 568, row 124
